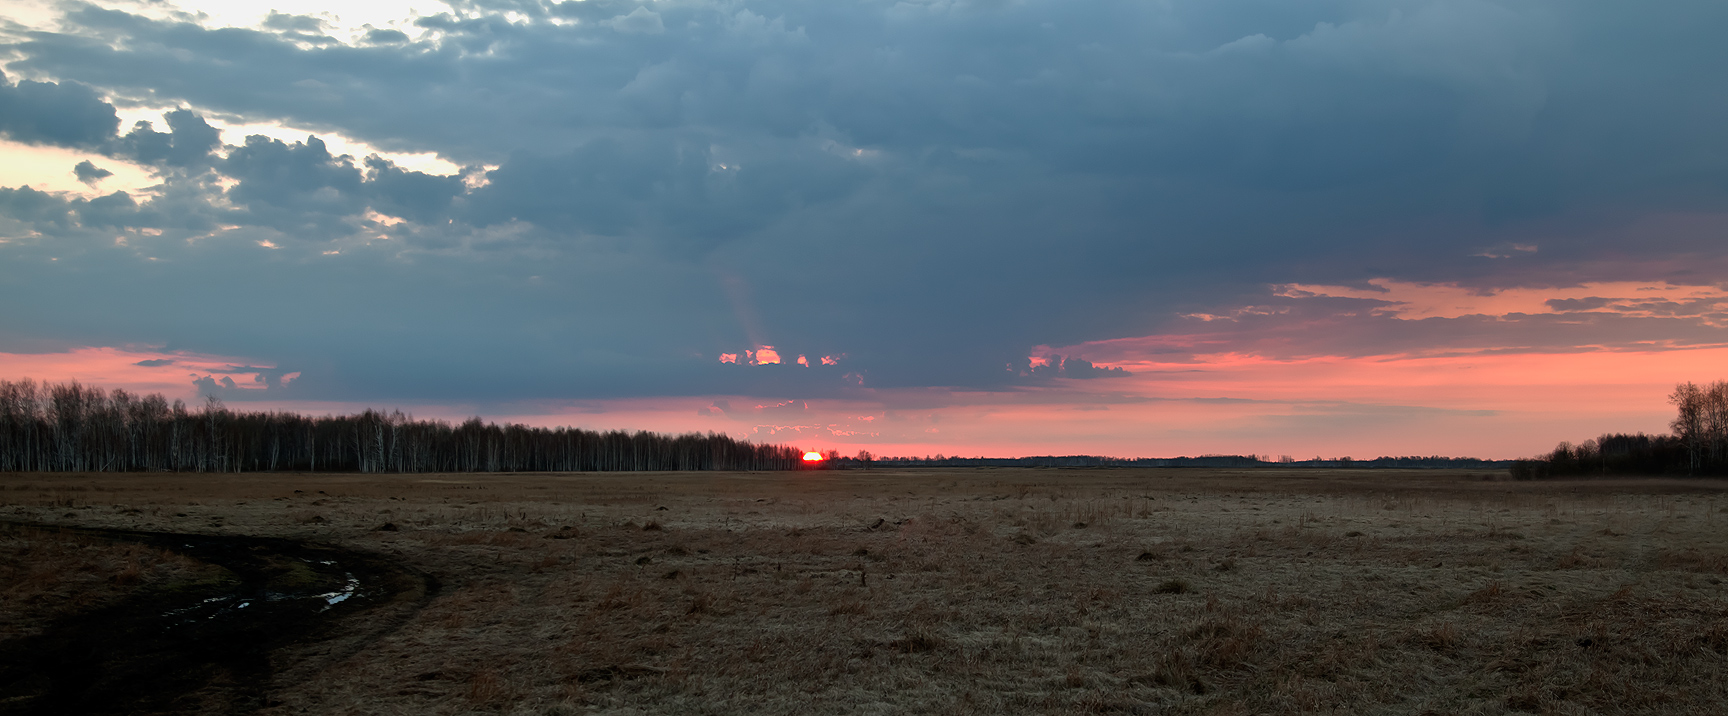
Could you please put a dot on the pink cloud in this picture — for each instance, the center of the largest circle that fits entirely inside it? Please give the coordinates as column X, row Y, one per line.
column 769, row 355
column 170, row 373
column 1396, row 320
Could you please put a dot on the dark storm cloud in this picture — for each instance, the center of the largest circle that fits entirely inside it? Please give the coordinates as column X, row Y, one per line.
column 929, row 188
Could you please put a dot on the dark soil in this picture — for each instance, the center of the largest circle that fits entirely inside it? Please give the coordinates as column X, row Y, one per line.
column 212, row 646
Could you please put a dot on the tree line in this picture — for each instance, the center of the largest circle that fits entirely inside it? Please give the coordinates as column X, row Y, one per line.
column 866, row 460
column 1698, row 446
column 68, row 427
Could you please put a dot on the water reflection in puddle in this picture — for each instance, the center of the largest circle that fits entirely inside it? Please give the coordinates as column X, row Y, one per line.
column 214, row 607
column 337, row 597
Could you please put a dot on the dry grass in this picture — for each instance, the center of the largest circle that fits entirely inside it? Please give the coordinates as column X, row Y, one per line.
column 46, row 573
column 996, row 591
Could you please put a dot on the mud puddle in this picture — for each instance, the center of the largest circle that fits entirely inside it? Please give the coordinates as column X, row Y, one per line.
column 211, row 646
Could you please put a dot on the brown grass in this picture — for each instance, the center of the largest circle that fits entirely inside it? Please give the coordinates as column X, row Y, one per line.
column 46, row 573
column 994, row 591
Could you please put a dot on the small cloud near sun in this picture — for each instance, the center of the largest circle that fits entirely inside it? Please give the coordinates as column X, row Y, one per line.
column 769, row 355
column 766, row 355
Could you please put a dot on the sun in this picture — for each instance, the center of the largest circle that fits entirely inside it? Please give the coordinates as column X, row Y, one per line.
column 812, row 456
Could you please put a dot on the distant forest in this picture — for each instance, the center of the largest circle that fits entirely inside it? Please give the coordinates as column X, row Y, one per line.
column 1698, row 446
column 74, row 428
column 864, row 459
column 70, row 427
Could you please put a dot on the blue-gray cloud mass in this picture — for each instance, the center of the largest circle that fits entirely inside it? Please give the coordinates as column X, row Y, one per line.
column 930, row 189
column 67, row 114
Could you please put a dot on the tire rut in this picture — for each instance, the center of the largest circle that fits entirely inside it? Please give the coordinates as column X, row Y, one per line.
column 284, row 610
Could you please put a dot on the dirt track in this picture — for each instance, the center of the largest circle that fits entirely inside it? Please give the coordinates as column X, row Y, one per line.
column 282, row 608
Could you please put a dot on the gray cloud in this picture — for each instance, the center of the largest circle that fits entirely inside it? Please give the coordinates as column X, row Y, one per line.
column 1058, row 366
column 88, row 173
column 294, row 188
column 681, row 192
column 294, row 23
column 386, row 37
column 639, row 21
column 413, row 195
column 190, row 142
column 65, row 113
column 29, row 206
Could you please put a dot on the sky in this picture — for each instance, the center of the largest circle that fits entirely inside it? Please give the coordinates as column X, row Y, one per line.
column 963, row 227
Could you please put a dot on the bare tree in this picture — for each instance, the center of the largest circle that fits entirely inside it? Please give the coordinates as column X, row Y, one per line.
column 1688, row 425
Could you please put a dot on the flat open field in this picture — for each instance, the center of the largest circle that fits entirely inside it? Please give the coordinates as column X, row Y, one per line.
column 1181, row 591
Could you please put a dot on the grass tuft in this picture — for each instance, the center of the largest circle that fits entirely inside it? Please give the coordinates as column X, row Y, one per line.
column 1173, row 586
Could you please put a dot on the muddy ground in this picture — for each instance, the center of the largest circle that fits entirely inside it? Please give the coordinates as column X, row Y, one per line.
column 205, row 643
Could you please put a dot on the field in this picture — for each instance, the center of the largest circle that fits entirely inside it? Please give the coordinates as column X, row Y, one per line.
column 1179, row 591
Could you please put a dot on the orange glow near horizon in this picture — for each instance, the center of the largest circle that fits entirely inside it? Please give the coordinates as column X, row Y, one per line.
column 1599, row 381
column 1490, row 405
column 812, row 456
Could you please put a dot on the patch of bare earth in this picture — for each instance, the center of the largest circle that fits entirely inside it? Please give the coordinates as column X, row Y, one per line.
column 992, row 591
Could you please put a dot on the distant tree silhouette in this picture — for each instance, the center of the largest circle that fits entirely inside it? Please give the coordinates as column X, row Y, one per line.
column 1702, row 423
column 1699, row 445
column 865, row 459
column 75, row 428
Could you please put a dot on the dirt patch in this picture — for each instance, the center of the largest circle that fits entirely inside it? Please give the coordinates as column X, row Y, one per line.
column 204, row 645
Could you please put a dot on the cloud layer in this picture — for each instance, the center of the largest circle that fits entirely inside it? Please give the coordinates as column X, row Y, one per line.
column 937, row 191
